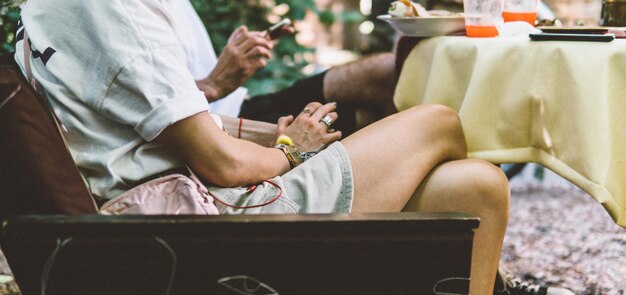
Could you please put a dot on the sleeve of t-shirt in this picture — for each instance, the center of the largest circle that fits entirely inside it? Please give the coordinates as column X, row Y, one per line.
column 153, row 91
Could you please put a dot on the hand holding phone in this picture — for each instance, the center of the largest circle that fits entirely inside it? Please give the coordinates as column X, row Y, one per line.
column 276, row 30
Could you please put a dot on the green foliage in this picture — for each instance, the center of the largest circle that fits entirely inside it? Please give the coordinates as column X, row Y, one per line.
column 352, row 17
column 326, row 17
column 9, row 17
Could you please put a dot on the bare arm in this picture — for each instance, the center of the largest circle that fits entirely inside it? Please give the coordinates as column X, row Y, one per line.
column 261, row 133
column 221, row 159
column 227, row 161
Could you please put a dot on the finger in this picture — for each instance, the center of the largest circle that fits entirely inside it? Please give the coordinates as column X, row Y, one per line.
column 331, row 137
column 327, row 121
column 289, row 30
column 264, row 34
column 284, row 122
column 253, row 41
column 333, row 116
column 234, row 35
column 257, row 33
column 258, row 52
column 256, row 65
column 237, row 37
column 314, row 105
column 323, row 110
column 311, row 108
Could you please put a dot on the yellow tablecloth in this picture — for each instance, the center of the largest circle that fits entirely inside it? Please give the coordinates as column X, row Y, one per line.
column 560, row 104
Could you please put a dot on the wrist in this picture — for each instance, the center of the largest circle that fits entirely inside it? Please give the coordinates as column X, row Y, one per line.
column 282, row 159
column 211, row 90
column 295, row 156
column 258, row 132
column 292, row 154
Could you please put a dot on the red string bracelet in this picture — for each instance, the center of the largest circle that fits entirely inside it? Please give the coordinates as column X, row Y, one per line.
column 251, row 189
column 240, row 125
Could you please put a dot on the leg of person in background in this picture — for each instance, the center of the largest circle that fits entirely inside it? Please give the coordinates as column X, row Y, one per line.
column 363, row 90
column 424, row 168
column 368, row 84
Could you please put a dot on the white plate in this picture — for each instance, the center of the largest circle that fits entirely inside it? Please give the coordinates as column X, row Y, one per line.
column 426, row 26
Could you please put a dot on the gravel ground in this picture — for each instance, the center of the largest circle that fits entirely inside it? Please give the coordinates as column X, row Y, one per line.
column 561, row 236
column 557, row 235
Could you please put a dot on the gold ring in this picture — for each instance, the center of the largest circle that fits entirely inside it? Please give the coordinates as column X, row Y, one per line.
column 327, row 120
column 307, row 111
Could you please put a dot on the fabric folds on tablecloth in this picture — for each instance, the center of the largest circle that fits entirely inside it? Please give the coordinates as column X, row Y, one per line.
column 560, row 104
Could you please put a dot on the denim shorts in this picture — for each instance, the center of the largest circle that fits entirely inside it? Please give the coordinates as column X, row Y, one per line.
column 323, row 184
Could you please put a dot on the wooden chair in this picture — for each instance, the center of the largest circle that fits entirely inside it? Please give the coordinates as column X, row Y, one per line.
column 56, row 243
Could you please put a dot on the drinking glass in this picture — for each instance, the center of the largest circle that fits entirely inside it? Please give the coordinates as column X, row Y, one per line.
column 482, row 17
column 520, row 10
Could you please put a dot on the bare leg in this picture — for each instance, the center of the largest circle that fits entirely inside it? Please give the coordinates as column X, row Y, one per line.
column 478, row 188
column 371, row 79
column 369, row 83
column 399, row 154
column 401, row 149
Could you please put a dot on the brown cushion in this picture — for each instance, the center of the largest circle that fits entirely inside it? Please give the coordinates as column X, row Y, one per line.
column 37, row 173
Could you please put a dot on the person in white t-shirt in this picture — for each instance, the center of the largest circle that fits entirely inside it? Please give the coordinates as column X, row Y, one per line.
column 117, row 77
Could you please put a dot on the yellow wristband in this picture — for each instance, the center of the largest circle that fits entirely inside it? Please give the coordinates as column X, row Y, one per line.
column 284, row 139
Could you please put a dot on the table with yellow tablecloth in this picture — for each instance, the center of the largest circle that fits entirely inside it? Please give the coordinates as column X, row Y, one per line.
column 560, row 104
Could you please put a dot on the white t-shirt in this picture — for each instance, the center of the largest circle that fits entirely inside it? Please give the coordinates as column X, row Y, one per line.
column 116, row 74
column 201, row 57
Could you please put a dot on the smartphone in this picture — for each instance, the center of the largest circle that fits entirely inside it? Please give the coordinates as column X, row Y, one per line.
column 572, row 37
column 574, row 30
column 274, row 32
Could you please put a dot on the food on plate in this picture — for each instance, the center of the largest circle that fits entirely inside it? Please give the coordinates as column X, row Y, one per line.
column 406, row 8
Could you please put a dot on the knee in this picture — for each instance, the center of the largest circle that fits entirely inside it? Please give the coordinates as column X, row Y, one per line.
column 445, row 119
column 444, row 124
column 490, row 186
column 448, row 117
